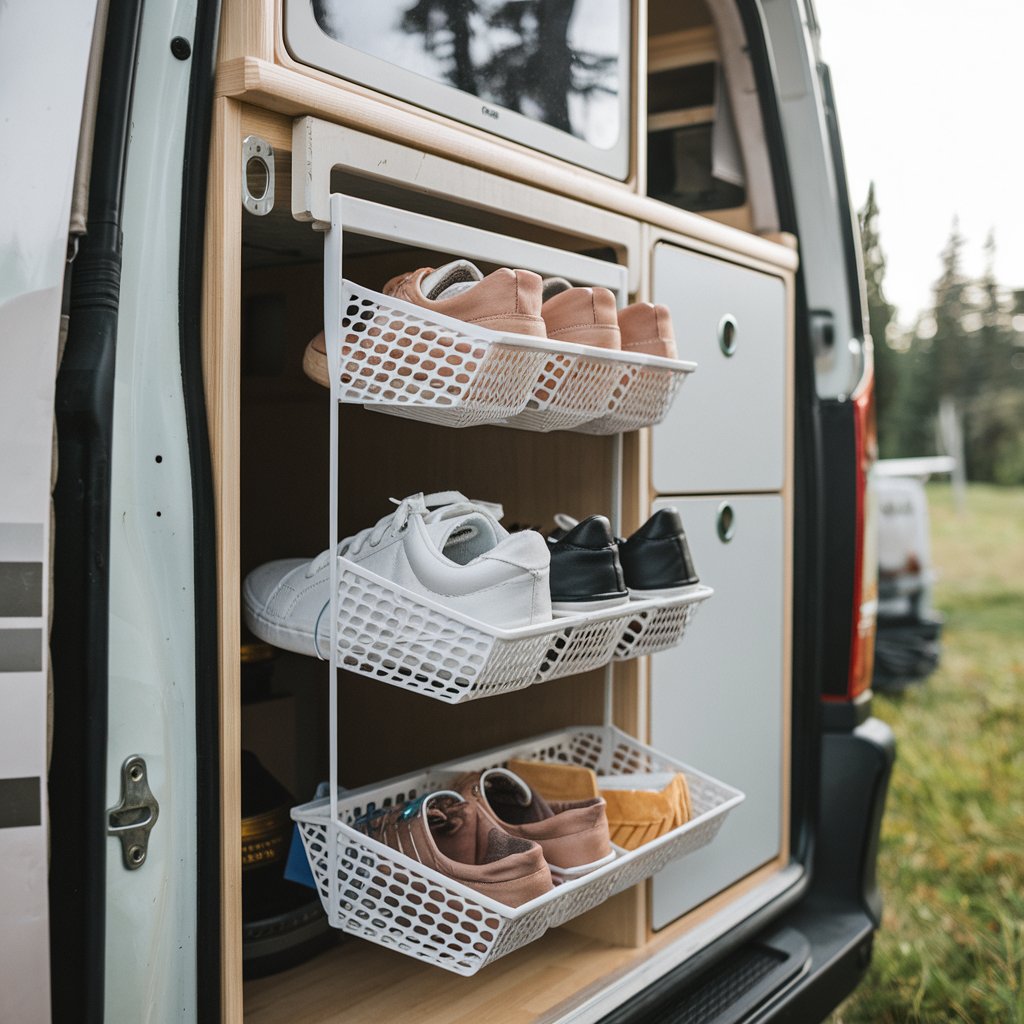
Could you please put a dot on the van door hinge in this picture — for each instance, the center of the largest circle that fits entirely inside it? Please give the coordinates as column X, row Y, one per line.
column 134, row 817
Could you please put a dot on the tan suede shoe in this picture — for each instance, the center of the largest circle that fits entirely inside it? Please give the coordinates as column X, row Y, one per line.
column 647, row 328
column 642, row 808
column 572, row 834
column 583, row 316
column 506, row 300
column 448, row 833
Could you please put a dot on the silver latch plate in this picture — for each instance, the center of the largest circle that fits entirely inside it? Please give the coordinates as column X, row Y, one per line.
column 257, row 175
column 133, row 818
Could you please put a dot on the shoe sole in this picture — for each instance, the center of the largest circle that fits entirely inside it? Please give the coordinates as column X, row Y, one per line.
column 314, row 365
column 295, row 640
column 568, row 874
column 572, row 607
column 643, row 595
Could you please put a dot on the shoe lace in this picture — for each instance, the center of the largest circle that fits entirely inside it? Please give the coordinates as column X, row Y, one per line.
column 431, row 506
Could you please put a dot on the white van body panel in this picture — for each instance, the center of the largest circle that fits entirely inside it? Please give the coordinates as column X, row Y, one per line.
column 44, row 53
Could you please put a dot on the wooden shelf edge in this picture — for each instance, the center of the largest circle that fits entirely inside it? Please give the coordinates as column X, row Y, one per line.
column 294, row 94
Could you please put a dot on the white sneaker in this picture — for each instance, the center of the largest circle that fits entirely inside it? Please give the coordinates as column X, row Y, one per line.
column 442, row 546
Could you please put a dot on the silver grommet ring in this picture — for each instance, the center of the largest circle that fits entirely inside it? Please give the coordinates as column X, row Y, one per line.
column 727, row 335
column 725, row 522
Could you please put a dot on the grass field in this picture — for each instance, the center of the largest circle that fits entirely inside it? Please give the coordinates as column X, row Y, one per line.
column 951, row 866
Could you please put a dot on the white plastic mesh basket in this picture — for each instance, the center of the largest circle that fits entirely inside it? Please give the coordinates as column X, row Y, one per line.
column 395, row 636
column 385, row 897
column 641, row 400
column 397, row 355
column 656, row 626
column 581, row 394
column 406, row 361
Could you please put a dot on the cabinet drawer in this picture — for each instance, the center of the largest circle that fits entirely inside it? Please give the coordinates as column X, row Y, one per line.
column 729, row 433
column 718, row 699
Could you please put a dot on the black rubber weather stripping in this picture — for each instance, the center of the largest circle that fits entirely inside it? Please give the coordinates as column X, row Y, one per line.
column 207, row 696
column 81, row 615
column 808, row 523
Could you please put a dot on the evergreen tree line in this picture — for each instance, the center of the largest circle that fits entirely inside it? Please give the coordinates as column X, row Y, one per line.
column 968, row 349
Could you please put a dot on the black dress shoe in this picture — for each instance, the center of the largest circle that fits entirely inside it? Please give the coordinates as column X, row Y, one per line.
column 585, row 569
column 657, row 558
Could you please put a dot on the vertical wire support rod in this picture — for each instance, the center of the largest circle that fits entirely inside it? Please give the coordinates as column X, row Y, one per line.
column 616, row 518
column 332, row 333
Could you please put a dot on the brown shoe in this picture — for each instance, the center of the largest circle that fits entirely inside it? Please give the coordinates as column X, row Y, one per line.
column 447, row 832
column 506, row 300
column 647, row 328
column 582, row 316
column 572, row 834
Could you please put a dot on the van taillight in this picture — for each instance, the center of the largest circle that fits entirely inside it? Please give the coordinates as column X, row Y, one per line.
column 865, row 566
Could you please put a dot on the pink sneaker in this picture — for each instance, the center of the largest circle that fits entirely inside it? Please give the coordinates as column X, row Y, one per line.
column 573, row 834
column 647, row 328
column 582, row 316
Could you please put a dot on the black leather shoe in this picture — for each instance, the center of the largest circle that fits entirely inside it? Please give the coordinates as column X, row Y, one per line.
column 585, row 569
column 657, row 557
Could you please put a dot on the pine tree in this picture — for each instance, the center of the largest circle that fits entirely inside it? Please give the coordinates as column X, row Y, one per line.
column 950, row 306
column 880, row 315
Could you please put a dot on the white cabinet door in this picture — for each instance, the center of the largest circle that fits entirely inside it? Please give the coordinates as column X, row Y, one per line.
column 717, row 698
column 726, row 429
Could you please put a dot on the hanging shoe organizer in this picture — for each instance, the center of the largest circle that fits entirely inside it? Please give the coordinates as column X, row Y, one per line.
column 385, row 632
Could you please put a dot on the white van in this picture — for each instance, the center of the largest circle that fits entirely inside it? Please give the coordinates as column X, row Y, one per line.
column 192, row 191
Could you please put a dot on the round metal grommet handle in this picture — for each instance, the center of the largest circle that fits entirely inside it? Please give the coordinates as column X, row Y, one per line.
column 725, row 522
column 257, row 175
column 727, row 335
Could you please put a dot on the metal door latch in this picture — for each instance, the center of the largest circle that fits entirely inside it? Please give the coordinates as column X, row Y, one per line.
column 257, row 175
column 134, row 817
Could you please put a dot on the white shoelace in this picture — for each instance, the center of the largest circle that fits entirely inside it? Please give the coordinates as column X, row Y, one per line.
column 431, row 506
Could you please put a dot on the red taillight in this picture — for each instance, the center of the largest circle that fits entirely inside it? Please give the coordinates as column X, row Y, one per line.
column 865, row 566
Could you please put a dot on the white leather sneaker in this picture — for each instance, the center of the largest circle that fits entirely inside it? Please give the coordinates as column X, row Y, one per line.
column 442, row 546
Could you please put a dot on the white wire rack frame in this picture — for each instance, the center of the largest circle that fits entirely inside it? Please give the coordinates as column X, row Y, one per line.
column 375, row 220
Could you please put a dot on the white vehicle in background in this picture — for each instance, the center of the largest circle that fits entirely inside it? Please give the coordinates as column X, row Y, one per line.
column 907, row 645
column 164, row 167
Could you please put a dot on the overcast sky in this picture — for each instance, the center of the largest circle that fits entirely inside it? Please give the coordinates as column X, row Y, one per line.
column 931, row 106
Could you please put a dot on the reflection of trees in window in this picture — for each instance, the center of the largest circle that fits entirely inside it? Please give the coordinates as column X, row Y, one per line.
column 446, row 31
column 323, row 13
column 535, row 75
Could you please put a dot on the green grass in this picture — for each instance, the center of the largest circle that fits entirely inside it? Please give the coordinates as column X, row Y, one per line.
column 951, row 865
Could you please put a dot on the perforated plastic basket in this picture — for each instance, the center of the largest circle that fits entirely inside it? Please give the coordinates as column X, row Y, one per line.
column 401, row 359
column 656, row 626
column 390, row 899
column 390, row 634
column 641, row 399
